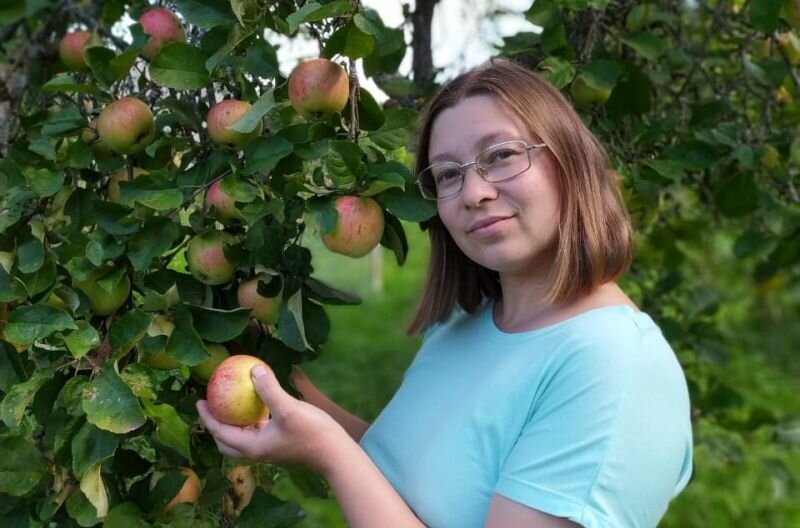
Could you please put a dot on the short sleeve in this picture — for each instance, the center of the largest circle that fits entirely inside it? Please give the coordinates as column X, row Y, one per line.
column 605, row 443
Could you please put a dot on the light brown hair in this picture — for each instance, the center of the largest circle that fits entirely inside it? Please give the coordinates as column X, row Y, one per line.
column 594, row 243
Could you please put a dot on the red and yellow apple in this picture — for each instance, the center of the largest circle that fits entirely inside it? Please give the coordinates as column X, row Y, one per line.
column 359, row 228
column 71, row 48
column 231, row 394
column 224, row 114
column 189, row 492
column 163, row 27
column 265, row 309
column 126, row 126
column 205, row 257
column 318, row 88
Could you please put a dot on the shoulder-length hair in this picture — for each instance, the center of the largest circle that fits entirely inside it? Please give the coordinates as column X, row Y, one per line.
column 594, row 242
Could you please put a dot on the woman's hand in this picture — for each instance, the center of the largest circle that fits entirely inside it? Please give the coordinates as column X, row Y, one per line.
column 295, row 433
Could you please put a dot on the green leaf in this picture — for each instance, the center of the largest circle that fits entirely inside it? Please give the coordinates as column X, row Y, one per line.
column 236, row 35
column 396, row 131
column 125, row 515
column 325, row 214
column 127, row 331
column 262, row 60
column 692, row 155
column 601, row 74
column 290, row 322
column 91, row 446
column 155, row 238
column 349, row 41
column 370, row 114
column 409, row 206
column 20, row 396
column 82, row 340
column 764, row 14
column 267, row 510
column 250, row 121
column 29, row 323
column 185, row 344
column 44, row 182
column 219, row 326
column 206, row 13
column 94, row 489
column 110, row 404
column 544, row 13
column 30, row 255
column 99, row 58
column 314, row 12
column 394, row 238
column 385, row 176
column 646, row 44
column 344, row 163
column 670, row 169
column 22, row 466
column 12, row 369
column 65, row 83
column 62, row 122
column 181, row 66
column 171, row 430
column 328, row 294
column 153, row 190
column 263, row 153
column 736, row 195
column 558, row 71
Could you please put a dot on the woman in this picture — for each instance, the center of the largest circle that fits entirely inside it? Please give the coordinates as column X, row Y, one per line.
column 541, row 396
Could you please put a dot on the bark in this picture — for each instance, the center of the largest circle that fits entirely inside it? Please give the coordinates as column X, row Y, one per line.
column 421, row 20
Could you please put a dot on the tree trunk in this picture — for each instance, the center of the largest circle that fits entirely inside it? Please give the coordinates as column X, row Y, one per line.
column 421, row 20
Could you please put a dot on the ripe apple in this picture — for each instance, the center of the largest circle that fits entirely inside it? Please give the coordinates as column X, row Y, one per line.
column 265, row 309
column 102, row 302
column 204, row 370
column 153, row 347
column 206, row 257
column 232, row 397
column 586, row 95
column 189, row 492
column 120, row 175
column 224, row 114
column 71, row 48
column 163, row 27
column 222, row 204
column 359, row 228
column 126, row 125
column 318, row 88
column 239, row 495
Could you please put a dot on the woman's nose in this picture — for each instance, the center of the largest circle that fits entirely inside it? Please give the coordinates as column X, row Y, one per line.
column 475, row 188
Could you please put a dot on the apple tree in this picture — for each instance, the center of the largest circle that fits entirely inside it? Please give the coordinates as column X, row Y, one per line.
column 160, row 174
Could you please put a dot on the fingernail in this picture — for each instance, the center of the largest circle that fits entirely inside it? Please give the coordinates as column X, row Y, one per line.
column 258, row 371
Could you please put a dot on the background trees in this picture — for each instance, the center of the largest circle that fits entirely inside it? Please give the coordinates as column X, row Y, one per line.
column 696, row 103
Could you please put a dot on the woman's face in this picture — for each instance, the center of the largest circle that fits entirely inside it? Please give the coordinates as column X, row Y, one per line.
column 511, row 226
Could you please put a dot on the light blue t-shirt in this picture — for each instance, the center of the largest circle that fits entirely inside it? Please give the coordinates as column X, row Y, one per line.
column 586, row 419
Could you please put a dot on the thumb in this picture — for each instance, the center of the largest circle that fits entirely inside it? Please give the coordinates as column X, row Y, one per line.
column 268, row 387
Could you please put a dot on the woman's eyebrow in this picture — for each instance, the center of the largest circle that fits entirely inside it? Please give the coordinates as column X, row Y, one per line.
column 484, row 141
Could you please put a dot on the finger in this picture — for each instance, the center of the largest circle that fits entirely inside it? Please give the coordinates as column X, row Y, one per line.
column 227, row 450
column 269, row 389
column 231, row 435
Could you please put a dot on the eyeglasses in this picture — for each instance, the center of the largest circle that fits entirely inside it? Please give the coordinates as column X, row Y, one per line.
column 495, row 164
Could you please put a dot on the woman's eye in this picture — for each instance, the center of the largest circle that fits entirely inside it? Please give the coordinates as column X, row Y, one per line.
column 500, row 155
column 447, row 176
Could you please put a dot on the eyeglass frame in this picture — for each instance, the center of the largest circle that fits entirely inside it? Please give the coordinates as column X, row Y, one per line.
column 482, row 172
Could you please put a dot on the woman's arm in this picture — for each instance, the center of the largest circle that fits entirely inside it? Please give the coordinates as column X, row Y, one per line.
column 300, row 433
column 355, row 426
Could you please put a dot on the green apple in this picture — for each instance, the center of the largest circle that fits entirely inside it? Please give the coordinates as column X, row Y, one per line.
column 204, row 370
column 101, row 301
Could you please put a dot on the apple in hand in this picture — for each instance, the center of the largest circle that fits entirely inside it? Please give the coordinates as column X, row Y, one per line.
column 71, row 48
column 205, row 257
column 204, row 370
column 163, row 27
column 101, row 301
column 126, row 126
column 189, row 492
column 359, row 228
column 231, row 394
column 265, row 309
column 224, row 114
column 318, row 88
